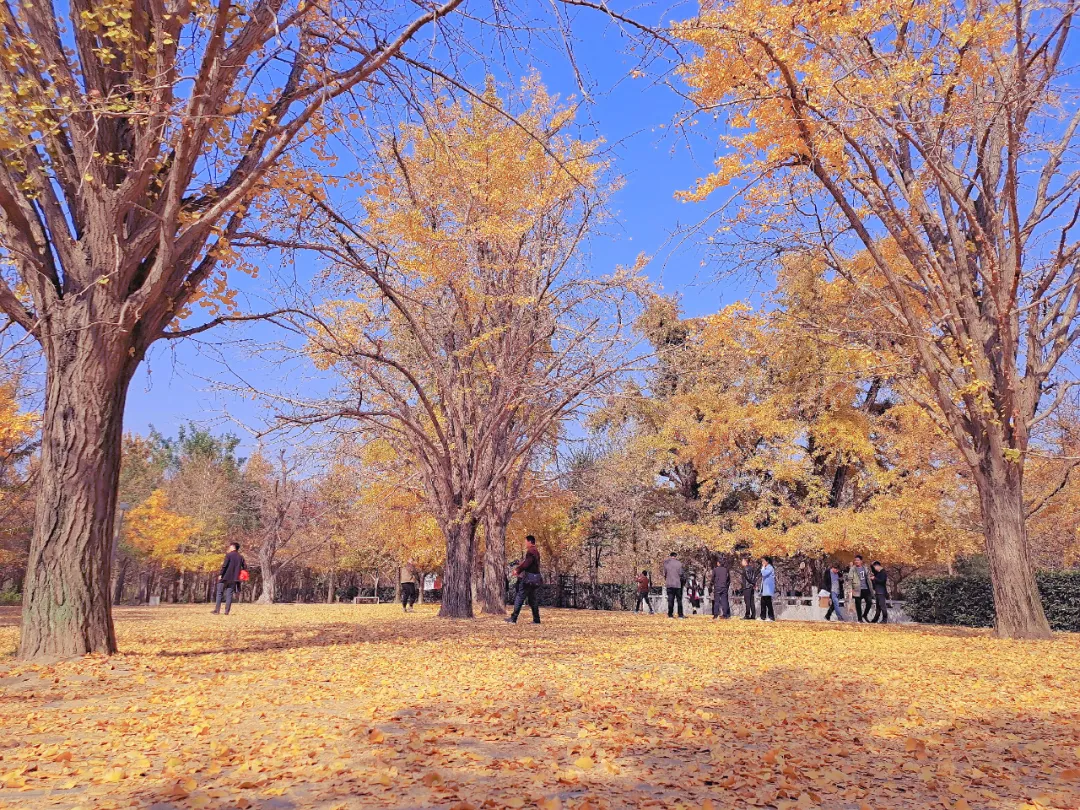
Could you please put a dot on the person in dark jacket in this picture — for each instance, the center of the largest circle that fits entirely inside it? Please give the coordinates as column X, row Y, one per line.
column 881, row 593
column 721, row 581
column 749, row 584
column 833, row 582
column 229, row 578
column 643, row 586
column 529, row 580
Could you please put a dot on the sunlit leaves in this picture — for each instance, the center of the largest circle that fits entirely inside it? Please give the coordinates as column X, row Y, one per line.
column 356, row 706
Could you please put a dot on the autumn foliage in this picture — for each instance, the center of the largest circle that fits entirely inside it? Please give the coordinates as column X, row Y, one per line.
column 358, row 706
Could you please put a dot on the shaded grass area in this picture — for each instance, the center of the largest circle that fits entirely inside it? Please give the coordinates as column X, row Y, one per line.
column 359, row 706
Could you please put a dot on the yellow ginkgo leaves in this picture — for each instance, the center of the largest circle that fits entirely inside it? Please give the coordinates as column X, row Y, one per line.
column 356, row 707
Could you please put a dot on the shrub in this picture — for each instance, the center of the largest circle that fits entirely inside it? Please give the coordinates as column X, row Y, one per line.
column 10, row 596
column 969, row 600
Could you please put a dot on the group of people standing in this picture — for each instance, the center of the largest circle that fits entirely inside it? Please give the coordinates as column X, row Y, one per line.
column 869, row 582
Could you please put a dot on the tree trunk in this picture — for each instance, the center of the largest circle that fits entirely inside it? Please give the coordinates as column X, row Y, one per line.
column 457, row 575
column 493, row 593
column 269, row 582
column 1017, row 604
column 67, row 610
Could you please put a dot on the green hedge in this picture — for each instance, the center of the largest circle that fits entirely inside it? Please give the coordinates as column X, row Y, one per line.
column 969, row 601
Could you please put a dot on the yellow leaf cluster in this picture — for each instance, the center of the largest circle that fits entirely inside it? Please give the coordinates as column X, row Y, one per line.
column 349, row 706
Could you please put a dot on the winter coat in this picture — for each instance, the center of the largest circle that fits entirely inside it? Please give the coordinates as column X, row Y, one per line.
column 231, row 568
column 749, row 578
column 673, row 573
column 768, row 580
column 721, row 579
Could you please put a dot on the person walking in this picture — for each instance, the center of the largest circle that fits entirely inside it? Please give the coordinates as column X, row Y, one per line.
column 673, row 581
column 749, row 585
column 768, row 589
column 529, row 580
column 879, row 579
column 643, row 586
column 833, row 582
column 859, row 577
column 229, row 578
column 407, row 585
column 721, row 581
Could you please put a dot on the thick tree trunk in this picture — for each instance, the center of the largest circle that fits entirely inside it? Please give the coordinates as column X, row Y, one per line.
column 493, row 593
column 67, row 609
column 1017, row 604
column 269, row 582
column 457, row 576
column 330, row 589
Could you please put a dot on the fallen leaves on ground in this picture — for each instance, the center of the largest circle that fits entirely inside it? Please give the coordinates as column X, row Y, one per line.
column 343, row 706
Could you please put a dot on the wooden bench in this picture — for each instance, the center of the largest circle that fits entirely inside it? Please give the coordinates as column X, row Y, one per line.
column 359, row 600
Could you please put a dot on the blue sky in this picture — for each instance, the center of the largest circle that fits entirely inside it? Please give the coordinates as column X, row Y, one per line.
column 632, row 114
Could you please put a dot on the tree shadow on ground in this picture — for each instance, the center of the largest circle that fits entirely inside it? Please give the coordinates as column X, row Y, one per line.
column 839, row 743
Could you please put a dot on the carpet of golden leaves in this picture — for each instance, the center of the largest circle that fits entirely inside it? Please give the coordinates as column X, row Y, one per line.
column 359, row 706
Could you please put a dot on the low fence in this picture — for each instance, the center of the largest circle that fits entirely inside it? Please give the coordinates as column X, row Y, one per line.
column 570, row 592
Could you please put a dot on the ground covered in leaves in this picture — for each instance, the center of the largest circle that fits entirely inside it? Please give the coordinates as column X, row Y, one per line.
column 358, row 706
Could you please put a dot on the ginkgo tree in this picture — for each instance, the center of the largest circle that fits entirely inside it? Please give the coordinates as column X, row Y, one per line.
column 464, row 325
column 925, row 153
column 136, row 137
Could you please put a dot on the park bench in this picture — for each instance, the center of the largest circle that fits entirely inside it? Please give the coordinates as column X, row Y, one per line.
column 359, row 600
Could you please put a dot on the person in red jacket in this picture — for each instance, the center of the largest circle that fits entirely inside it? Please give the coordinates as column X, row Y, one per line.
column 643, row 586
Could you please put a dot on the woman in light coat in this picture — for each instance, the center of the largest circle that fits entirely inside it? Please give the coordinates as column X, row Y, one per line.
column 768, row 589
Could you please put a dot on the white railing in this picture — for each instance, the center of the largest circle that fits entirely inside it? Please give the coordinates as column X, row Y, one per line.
column 792, row 608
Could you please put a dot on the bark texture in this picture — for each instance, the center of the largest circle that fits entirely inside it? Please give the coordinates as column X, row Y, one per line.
column 269, row 582
column 493, row 592
column 457, row 601
column 1017, row 604
column 67, row 607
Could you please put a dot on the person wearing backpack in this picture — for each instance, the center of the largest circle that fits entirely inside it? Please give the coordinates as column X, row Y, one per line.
column 529, row 581
column 233, row 570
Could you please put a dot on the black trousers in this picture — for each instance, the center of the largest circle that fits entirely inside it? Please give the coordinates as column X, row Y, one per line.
column 720, row 604
column 643, row 598
column 674, row 597
column 526, row 592
column 766, row 608
column 409, row 594
column 748, row 598
column 882, row 604
column 862, row 604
